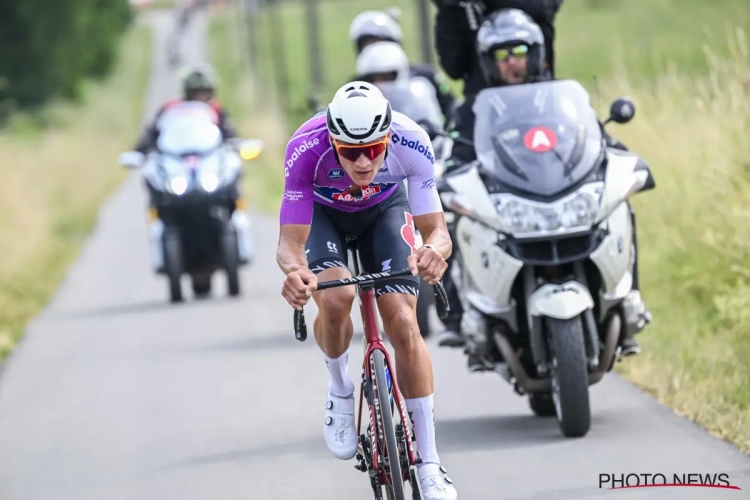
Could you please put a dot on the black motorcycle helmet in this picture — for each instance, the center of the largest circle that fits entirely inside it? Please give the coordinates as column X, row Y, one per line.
column 198, row 79
column 504, row 29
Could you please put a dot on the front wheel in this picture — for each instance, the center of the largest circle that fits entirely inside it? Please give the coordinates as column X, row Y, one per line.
column 395, row 490
column 173, row 263
column 230, row 250
column 570, row 380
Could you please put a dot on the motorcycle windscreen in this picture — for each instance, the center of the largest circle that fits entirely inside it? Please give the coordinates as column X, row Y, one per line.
column 416, row 98
column 188, row 128
column 540, row 138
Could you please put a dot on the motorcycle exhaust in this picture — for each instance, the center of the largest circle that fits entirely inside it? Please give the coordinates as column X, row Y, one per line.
column 530, row 384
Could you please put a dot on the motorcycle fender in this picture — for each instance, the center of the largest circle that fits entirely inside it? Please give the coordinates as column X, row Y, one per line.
column 564, row 301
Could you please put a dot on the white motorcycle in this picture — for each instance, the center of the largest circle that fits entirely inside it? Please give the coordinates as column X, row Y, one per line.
column 545, row 243
column 198, row 223
column 417, row 99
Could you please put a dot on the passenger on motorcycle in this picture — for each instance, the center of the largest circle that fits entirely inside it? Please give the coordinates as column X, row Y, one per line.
column 343, row 173
column 383, row 62
column 377, row 26
column 511, row 52
column 198, row 84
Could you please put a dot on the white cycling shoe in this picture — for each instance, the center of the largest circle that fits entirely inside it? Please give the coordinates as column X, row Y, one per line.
column 339, row 429
column 436, row 485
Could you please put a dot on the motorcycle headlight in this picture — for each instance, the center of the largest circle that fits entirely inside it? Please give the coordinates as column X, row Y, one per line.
column 576, row 211
column 209, row 181
column 177, row 185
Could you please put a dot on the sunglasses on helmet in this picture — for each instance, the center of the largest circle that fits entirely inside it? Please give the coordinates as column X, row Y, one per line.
column 352, row 151
column 519, row 52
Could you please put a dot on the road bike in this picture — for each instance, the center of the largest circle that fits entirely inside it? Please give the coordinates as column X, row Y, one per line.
column 379, row 385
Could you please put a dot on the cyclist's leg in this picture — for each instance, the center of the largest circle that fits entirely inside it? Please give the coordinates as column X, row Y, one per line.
column 387, row 245
column 326, row 257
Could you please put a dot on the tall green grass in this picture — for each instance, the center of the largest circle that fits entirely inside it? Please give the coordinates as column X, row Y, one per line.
column 53, row 180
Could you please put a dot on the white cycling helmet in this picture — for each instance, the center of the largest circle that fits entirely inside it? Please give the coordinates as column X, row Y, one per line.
column 358, row 114
column 374, row 23
column 383, row 57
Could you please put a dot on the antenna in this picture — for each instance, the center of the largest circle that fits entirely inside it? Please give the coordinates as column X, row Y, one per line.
column 597, row 92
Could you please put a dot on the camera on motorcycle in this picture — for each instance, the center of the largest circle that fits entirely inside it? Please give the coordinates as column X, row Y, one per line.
column 250, row 149
column 622, row 110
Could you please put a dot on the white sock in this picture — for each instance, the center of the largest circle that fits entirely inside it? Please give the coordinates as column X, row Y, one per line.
column 421, row 413
column 339, row 382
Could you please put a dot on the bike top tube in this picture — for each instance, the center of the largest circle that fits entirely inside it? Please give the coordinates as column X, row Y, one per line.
column 441, row 298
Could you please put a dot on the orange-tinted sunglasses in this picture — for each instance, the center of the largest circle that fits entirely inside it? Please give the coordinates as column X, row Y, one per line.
column 371, row 150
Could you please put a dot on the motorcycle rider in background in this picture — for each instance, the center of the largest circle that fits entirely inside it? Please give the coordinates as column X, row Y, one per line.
column 510, row 49
column 198, row 84
column 377, row 26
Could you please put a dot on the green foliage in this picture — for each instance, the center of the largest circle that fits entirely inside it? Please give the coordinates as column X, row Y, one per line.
column 50, row 47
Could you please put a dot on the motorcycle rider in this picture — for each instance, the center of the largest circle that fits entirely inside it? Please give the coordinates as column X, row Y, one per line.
column 373, row 26
column 198, row 84
column 510, row 48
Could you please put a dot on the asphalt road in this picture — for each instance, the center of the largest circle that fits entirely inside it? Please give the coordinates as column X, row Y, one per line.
column 115, row 394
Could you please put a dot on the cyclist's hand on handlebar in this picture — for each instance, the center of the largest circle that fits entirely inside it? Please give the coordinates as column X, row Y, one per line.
column 427, row 263
column 298, row 287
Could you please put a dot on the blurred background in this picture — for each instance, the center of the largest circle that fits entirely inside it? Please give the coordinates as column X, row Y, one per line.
column 73, row 76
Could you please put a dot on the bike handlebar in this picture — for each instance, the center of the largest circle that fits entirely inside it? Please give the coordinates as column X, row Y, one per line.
column 441, row 298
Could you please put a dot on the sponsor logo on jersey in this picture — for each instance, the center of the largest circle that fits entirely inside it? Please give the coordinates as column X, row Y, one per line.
column 301, row 148
column 336, row 174
column 366, row 193
column 411, row 144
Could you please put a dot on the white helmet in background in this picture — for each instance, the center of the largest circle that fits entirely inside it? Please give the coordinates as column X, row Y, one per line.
column 374, row 24
column 383, row 57
column 358, row 114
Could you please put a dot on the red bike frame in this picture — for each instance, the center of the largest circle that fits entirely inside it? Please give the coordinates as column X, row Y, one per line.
column 373, row 341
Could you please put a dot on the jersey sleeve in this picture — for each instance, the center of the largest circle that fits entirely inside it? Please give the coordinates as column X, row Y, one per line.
column 420, row 175
column 299, row 175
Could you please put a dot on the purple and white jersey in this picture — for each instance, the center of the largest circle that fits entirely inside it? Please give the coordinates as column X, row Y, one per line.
column 312, row 173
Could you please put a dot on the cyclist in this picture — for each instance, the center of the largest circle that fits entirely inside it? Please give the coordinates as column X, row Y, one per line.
column 343, row 173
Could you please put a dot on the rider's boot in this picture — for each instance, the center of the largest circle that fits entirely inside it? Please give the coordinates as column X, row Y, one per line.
column 339, row 428
column 246, row 249
column 637, row 316
column 452, row 337
column 436, row 485
column 156, row 244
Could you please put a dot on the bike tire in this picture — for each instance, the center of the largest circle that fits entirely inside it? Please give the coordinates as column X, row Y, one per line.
column 389, row 431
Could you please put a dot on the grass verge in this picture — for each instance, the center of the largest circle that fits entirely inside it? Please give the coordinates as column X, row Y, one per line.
column 52, row 182
column 690, row 80
column 693, row 240
column 254, row 109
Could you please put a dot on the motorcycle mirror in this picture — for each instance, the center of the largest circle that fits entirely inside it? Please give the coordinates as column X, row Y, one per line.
column 251, row 149
column 131, row 159
column 429, row 128
column 622, row 110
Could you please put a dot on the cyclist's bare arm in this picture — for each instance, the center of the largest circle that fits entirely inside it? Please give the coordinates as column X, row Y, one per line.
column 435, row 232
column 428, row 262
column 290, row 254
